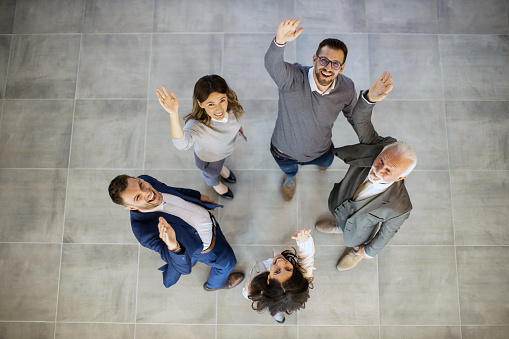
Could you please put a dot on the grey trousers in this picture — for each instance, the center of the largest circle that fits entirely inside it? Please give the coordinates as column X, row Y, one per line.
column 209, row 171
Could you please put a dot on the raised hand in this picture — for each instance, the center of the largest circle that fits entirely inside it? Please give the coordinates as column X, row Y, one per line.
column 169, row 101
column 380, row 88
column 302, row 235
column 167, row 234
column 287, row 31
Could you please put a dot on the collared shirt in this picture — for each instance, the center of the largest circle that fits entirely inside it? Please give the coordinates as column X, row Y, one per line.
column 373, row 189
column 313, row 86
column 224, row 120
column 195, row 215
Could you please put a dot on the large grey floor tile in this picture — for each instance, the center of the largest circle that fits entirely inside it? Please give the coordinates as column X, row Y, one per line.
column 200, row 16
column 232, row 307
column 5, row 48
column 478, row 135
column 420, row 332
column 421, row 124
column 98, row 283
column 476, row 17
column 16, row 330
column 108, row 134
column 250, row 217
column 412, row 60
column 313, row 192
column 418, row 286
column 179, row 331
column 38, row 17
column 157, row 304
column 256, row 16
column 159, row 150
column 91, row 216
column 118, row 16
column 94, row 331
column 430, row 222
column 480, row 210
column 36, row 133
column 258, row 123
column 255, row 332
column 179, row 60
column 327, row 332
column 33, row 205
column 333, row 16
column 484, row 332
column 244, row 68
column 393, row 16
column 7, row 9
column 475, row 67
column 357, row 59
column 341, row 298
column 29, row 281
column 39, row 69
column 483, row 284
column 114, row 66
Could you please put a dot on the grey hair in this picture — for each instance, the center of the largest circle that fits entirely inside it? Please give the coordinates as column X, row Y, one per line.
column 405, row 151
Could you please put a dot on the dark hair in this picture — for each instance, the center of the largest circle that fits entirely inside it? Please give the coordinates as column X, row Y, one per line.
column 334, row 44
column 117, row 186
column 203, row 88
column 287, row 297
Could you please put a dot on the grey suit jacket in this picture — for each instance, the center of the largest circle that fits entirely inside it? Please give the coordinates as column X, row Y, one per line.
column 390, row 208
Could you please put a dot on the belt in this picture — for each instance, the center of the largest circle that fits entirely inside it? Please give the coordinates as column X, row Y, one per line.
column 278, row 152
column 213, row 242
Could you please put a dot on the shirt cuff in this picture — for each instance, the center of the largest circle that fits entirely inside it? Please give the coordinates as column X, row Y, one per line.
column 363, row 92
column 178, row 250
column 278, row 45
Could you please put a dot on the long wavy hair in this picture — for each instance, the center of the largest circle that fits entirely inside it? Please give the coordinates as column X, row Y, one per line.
column 275, row 297
column 203, row 88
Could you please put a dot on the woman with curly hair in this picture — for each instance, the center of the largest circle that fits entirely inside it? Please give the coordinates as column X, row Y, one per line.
column 281, row 284
column 212, row 127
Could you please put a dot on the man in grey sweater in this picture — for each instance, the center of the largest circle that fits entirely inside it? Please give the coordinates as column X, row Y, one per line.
column 310, row 100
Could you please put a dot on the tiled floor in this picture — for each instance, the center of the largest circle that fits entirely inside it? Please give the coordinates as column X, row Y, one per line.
column 78, row 106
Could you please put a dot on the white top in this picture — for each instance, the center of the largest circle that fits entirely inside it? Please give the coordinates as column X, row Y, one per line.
column 193, row 214
column 305, row 258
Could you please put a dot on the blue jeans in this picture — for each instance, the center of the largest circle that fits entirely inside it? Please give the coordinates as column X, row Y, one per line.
column 290, row 165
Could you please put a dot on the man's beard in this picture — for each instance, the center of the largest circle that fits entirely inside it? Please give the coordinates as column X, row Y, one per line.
column 371, row 177
column 321, row 81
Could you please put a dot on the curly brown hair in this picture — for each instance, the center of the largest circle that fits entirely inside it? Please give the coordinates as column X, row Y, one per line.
column 203, row 88
column 117, row 186
column 275, row 297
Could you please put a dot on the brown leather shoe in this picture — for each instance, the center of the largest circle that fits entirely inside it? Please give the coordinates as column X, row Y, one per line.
column 234, row 279
column 328, row 226
column 288, row 188
column 348, row 261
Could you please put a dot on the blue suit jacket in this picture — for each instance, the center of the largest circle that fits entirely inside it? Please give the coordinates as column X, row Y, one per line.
column 145, row 229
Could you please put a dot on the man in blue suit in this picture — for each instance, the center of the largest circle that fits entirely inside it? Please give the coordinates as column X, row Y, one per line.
column 176, row 223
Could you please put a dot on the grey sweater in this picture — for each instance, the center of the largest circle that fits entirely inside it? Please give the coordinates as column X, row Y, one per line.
column 212, row 143
column 305, row 119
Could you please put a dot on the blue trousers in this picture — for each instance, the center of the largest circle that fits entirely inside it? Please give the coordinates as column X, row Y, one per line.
column 290, row 165
column 221, row 259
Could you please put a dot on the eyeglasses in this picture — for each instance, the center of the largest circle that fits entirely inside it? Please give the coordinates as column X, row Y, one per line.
column 334, row 64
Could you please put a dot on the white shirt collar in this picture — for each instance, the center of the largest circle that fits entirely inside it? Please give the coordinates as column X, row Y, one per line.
column 224, row 120
column 313, row 86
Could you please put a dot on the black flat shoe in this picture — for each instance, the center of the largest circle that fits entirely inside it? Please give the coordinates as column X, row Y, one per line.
column 227, row 195
column 231, row 178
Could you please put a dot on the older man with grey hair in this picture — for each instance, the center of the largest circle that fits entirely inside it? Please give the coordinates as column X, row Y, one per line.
column 371, row 202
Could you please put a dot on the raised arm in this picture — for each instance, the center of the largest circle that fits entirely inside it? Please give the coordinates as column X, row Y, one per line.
column 283, row 73
column 364, row 107
column 170, row 104
column 305, row 252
